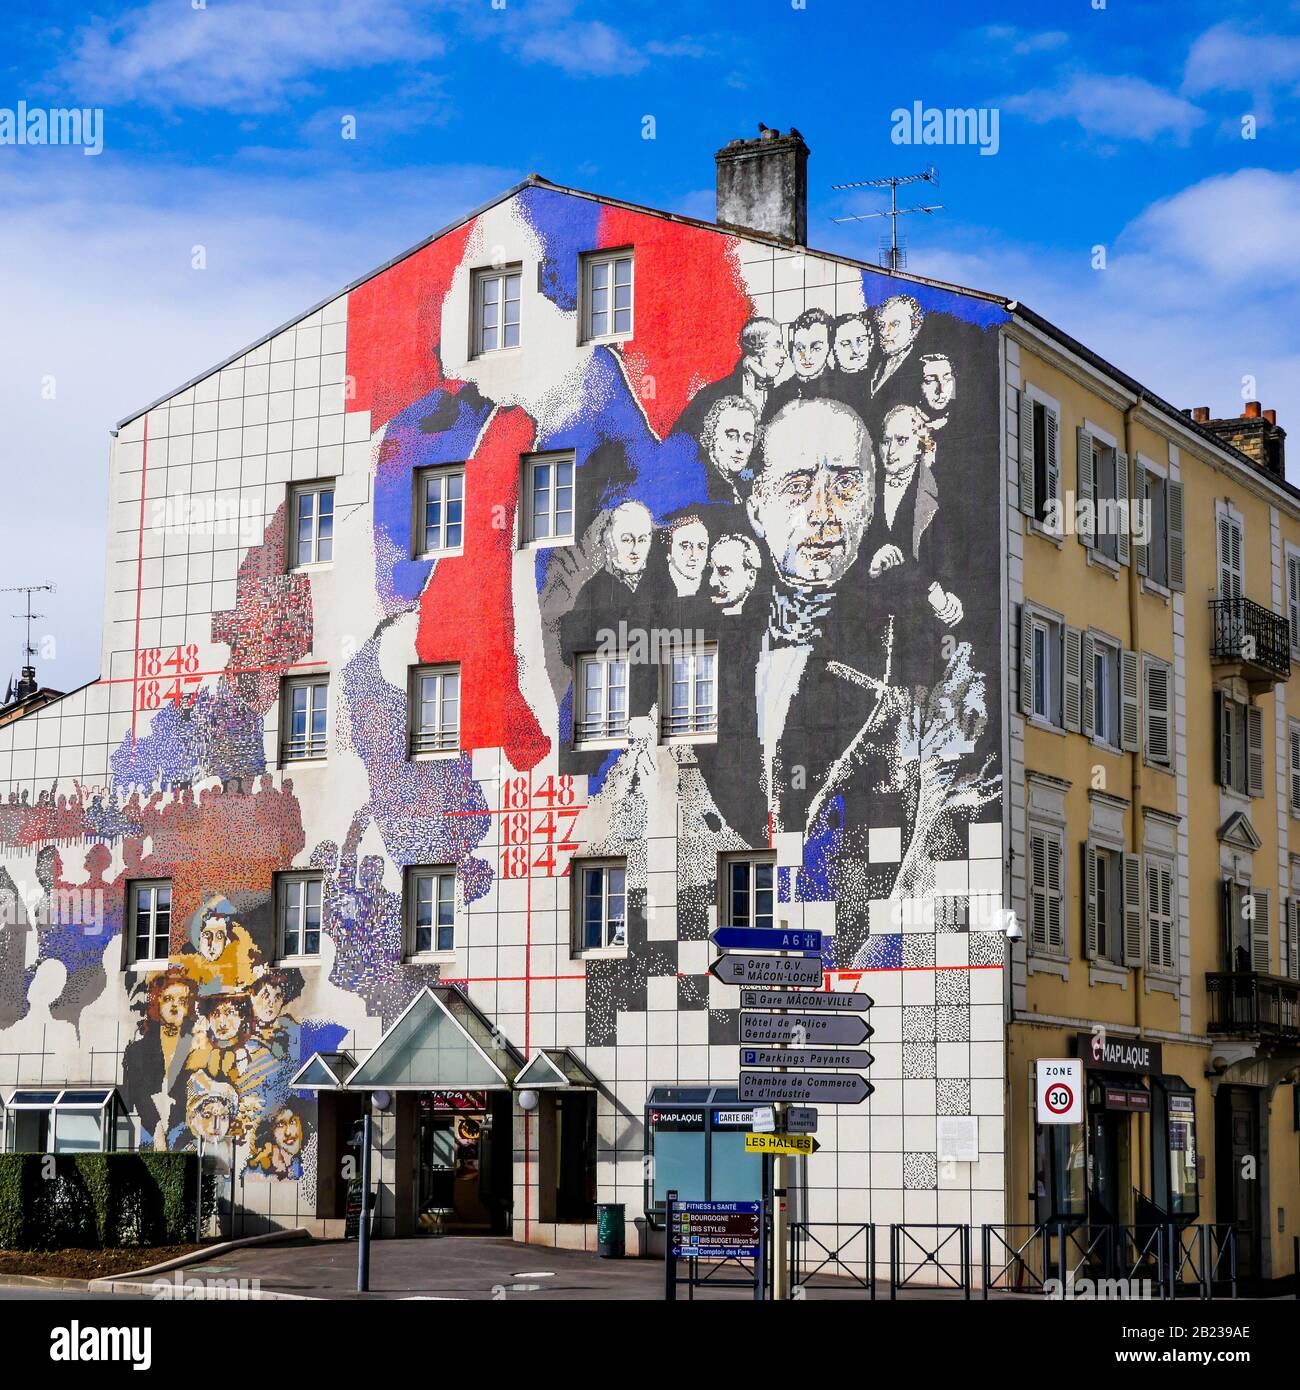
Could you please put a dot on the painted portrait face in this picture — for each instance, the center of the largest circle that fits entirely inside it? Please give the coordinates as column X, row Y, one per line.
column 731, row 577
column 733, row 440
column 812, row 501
column 768, row 362
column 174, row 1005
column 268, row 1000
column 810, row 349
column 629, row 537
column 690, row 549
column 211, row 1119
column 897, row 331
column 853, row 346
column 901, row 443
column 288, row 1131
column 224, row 1022
column 938, row 384
column 213, row 936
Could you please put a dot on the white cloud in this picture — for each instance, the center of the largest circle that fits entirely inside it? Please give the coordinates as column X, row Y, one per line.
column 1020, row 42
column 1129, row 108
column 1228, row 58
column 589, row 49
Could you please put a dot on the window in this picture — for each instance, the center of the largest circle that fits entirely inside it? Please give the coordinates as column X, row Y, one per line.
column 306, row 734
column 1231, row 555
column 608, row 290
column 1160, row 913
column 1293, row 598
column 313, row 523
column 1103, row 481
column 1112, row 905
column 496, row 310
column 151, row 921
column 690, row 700
column 1105, row 692
column 1046, row 896
column 93, row 1120
column 548, row 487
column 1040, row 467
column 300, row 899
column 1245, row 917
column 1293, row 765
column 602, row 905
column 431, row 910
column 435, row 710
column 748, row 892
column 602, row 682
column 1154, row 553
column 1040, row 666
column 1240, row 745
column 1158, row 706
column 439, row 510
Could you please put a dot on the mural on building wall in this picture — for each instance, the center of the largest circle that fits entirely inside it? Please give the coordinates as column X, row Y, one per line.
column 783, row 505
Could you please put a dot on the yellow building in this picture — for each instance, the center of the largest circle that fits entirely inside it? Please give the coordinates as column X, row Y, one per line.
column 1154, row 804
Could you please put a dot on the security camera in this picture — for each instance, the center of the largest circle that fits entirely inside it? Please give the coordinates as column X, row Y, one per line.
column 1011, row 926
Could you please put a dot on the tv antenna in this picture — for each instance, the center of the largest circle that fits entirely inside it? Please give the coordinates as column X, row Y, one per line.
column 896, row 252
column 29, row 652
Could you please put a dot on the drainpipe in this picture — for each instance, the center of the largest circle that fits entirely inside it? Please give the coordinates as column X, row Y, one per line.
column 1135, row 826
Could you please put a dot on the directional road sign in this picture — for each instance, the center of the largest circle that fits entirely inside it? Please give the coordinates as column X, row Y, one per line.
column 825, row 1087
column 781, row 1144
column 831, row 1000
column 800, row 1119
column 766, row 939
column 716, row 1230
column 804, row 1057
column 820, row 1030
column 768, row 970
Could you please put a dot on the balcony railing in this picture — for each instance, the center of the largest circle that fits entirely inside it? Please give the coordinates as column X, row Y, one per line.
column 1253, row 635
column 1247, row 1003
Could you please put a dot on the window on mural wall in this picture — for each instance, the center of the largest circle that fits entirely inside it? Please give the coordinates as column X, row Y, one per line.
column 496, row 310
column 749, row 891
column 439, row 510
column 608, row 293
column 602, row 904
column 435, row 710
column 305, row 716
column 151, row 921
column 300, row 915
column 602, row 683
column 431, row 897
column 548, row 488
column 691, row 697
column 313, row 525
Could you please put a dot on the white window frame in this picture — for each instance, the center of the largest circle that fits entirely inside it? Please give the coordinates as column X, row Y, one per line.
column 1226, row 514
column 153, row 886
column 604, row 731
column 529, row 512
column 1049, row 834
column 1162, row 863
column 1145, row 469
column 609, row 260
column 1040, row 401
column 1113, row 952
column 578, row 872
column 698, row 721
column 441, row 738
column 310, row 749
column 443, row 475
column 727, row 894
column 1101, row 642
column 442, row 878
column 501, row 278
column 293, row 894
column 316, row 542
column 1052, row 630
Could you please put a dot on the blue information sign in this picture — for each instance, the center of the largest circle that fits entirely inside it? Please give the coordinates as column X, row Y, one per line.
column 766, row 939
column 716, row 1230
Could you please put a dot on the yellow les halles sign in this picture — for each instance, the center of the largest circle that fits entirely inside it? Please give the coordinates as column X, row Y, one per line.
column 780, row 1144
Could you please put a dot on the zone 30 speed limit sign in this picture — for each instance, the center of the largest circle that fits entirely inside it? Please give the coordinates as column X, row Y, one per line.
column 1060, row 1091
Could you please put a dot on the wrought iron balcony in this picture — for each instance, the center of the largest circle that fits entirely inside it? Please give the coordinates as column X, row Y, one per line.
column 1248, row 1004
column 1251, row 636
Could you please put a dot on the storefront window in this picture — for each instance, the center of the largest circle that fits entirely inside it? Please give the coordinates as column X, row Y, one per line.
column 695, row 1141
column 1183, row 1199
column 1062, row 1173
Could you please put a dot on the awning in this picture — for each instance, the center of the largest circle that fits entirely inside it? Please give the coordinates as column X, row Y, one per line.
column 324, row 1071
column 440, row 1043
column 65, row 1098
column 553, row 1068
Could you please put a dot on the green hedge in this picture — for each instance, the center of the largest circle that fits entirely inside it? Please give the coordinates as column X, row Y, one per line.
column 95, row 1200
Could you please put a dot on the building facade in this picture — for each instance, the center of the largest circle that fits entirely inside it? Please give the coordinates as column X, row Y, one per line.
column 589, row 577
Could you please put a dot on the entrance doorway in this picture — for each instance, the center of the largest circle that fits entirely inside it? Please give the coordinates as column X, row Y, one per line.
column 567, row 1142
column 463, row 1162
column 1239, row 1170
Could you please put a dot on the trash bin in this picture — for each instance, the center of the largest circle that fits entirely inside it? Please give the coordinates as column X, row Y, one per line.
column 610, row 1230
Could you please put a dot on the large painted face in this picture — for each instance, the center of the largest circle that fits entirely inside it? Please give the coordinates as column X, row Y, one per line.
column 768, row 362
column 853, row 346
column 268, row 1000
column 174, row 1005
column 730, row 578
column 900, row 447
column 629, row 534
column 810, row 349
column 690, row 549
column 938, row 384
column 213, row 937
column 897, row 331
column 211, row 1119
column 223, row 1022
column 733, row 440
column 288, row 1132
column 812, row 501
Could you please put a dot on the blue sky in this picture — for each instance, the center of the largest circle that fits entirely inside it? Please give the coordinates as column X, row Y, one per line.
column 1119, row 127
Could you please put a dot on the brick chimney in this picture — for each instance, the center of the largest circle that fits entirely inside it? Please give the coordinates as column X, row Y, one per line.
column 1254, row 432
column 763, row 184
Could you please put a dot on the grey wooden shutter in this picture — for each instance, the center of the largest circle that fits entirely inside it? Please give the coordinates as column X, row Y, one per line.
column 1142, row 495
column 1026, row 661
column 1159, row 743
column 1129, row 736
column 1230, row 558
column 1160, row 923
column 1026, row 446
column 1123, row 501
column 1294, row 741
column 1052, row 429
column 1070, row 702
column 1293, row 938
column 1293, row 600
column 1089, row 900
column 1037, row 888
column 1259, row 933
column 1087, row 488
column 1174, row 526
column 1055, row 898
column 1222, row 739
column 1254, row 750
column 1087, row 711
column 1132, row 946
